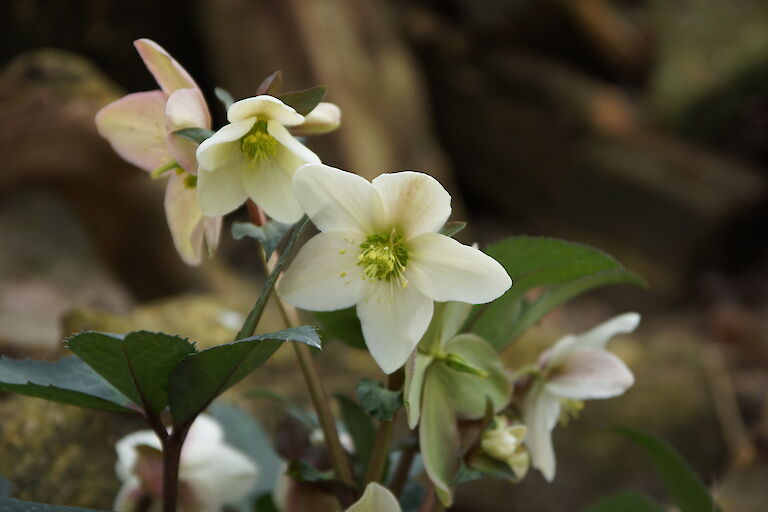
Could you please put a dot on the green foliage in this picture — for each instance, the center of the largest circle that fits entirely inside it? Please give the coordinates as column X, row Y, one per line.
column 264, row 503
column 224, row 97
column 305, row 100
column 271, row 85
column 194, row 134
column 563, row 269
column 626, row 501
column 360, row 428
column 68, row 380
column 684, row 487
column 304, row 472
column 452, row 228
column 137, row 364
column 342, row 325
column 378, row 402
column 201, row 377
column 269, row 235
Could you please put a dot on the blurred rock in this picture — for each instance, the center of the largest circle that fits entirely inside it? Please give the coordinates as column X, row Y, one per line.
column 47, row 266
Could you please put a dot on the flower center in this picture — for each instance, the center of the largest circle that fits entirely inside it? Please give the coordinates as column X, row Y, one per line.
column 258, row 143
column 569, row 409
column 384, row 257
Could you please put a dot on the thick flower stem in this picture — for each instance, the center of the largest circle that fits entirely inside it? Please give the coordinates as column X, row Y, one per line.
column 171, row 457
column 380, row 452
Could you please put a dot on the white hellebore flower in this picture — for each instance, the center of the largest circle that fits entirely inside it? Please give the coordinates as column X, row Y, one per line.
column 505, row 442
column 379, row 249
column 576, row 368
column 253, row 156
column 211, row 472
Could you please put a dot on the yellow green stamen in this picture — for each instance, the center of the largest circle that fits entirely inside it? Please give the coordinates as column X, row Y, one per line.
column 258, row 144
column 384, row 257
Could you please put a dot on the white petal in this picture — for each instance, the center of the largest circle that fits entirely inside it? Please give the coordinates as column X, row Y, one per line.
column 597, row 337
column 184, row 219
column 325, row 275
column 413, row 202
column 222, row 146
column 186, row 108
column 337, row 200
column 224, row 477
column 128, row 496
column 270, row 186
column 415, row 372
column 590, row 373
column 299, row 153
column 540, row 413
column 135, row 127
column 324, row 118
column 212, row 230
column 126, row 451
column 375, row 499
column 221, row 191
column 446, row 270
column 393, row 320
column 203, row 440
column 265, row 108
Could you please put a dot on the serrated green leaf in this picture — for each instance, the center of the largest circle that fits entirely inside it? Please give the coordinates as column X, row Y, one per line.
column 11, row 505
column 564, row 269
column 194, row 134
column 452, row 228
column 203, row 376
column 137, row 364
column 269, row 235
column 626, row 501
column 342, row 325
column 68, row 380
column 224, row 97
column 683, row 486
column 271, row 85
column 304, row 101
column 378, row 402
column 360, row 428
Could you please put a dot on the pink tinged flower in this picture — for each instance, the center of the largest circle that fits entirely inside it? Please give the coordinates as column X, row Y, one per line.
column 140, row 128
column 576, row 368
column 211, row 474
column 379, row 249
column 253, row 157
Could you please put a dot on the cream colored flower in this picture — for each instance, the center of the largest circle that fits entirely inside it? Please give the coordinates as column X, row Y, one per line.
column 376, row 498
column 576, row 368
column 254, row 156
column 504, row 441
column 211, row 472
column 379, row 248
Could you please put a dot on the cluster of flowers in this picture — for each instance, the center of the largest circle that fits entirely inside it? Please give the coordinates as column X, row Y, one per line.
column 379, row 249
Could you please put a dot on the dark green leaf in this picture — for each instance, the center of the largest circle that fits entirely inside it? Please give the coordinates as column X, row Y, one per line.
column 271, row 85
column 10, row 505
column 194, row 134
column 203, row 376
column 269, row 235
column 360, row 428
column 289, row 407
column 451, row 228
column 304, row 101
column 684, row 487
column 224, row 97
column 378, row 402
column 563, row 269
column 243, row 432
column 138, row 364
column 249, row 326
column 303, row 472
column 626, row 501
column 68, row 380
column 264, row 503
column 342, row 325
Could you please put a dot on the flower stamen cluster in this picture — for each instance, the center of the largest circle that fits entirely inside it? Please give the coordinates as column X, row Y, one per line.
column 384, row 257
column 258, row 144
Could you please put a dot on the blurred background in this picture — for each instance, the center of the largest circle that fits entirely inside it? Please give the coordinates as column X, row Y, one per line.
column 640, row 127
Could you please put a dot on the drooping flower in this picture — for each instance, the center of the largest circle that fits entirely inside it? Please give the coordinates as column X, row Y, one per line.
column 576, row 368
column 140, row 128
column 211, row 472
column 254, row 156
column 376, row 498
column 450, row 377
column 379, row 248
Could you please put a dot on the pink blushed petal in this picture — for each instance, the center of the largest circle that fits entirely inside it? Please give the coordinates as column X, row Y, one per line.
column 186, row 108
column 590, row 373
column 185, row 219
column 135, row 127
column 168, row 73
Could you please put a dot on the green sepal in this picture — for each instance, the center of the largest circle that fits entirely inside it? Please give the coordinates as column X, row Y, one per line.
column 194, row 134
column 305, row 100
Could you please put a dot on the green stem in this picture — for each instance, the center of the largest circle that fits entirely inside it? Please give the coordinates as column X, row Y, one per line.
column 171, row 462
column 380, row 452
column 400, row 477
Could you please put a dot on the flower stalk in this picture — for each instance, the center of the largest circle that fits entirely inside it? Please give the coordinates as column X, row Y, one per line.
column 379, row 455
